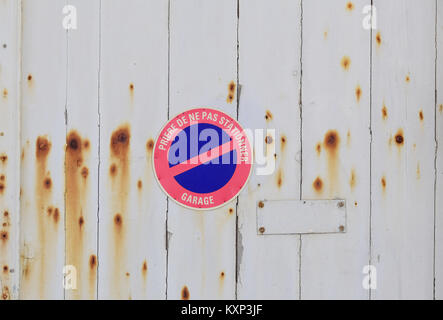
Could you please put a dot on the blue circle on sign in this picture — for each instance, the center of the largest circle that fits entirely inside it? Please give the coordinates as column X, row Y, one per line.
column 209, row 176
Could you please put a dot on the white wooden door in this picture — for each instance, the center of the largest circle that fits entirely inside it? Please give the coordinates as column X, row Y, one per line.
column 345, row 105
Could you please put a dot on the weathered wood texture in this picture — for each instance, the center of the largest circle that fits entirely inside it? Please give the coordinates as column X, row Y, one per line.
column 43, row 129
column 269, row 73
column 336, row 141
column 203, row 63
column 403, row 149
column 133, row 106
column 9, row 149
column 348, row 113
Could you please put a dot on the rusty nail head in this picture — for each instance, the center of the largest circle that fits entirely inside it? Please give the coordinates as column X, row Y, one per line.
column 341, row 228
column 262, row 230
column 341, row 204
column 261, row 204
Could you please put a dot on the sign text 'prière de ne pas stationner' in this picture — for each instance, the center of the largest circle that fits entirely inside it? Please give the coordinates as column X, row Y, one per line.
column 202, row 158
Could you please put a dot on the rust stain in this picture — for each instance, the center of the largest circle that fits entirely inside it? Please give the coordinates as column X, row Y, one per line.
column 4, row 236
column 356, row 203
column 139, row 184
column 283, row 143
column 268, row 139
column 118, row 222
column 74, row 206
column 231, row 211
column 120, row 186
column 348, row 138
column 325, row 35
column 353, row 179
column 92, row 261
column 378, row 38
column 43, row 198
column 30, row 80
column 261, row 204
column 231, row 92
column 185, row 293
column 85, row 172
column 5, row 93
column 120, row 142
column 318, row 148
column 408, row 79
column 421, row 115
column 92, row 275
column 346, row 63
column 56, row 215
column 358, row 93
column 113, row 170
column 383, row 183
column 150, row 145
column 441, row 108
column 318, row 185
column 349, row 6
column 3, row 159
column 384, row 112
column 76, row 191
column 268, row 115
column 279, row 178
column 47, row 183
column 331, row 144
column 5, row 293
column 399, row 138
column 5, row 269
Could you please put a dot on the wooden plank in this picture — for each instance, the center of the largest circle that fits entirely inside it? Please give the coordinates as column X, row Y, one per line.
column 336, row 144
column 43, row 94
column 81, row 160
column 9, row 149
column 301, row 216
column 438, row 269
column 133, row 106
column 269, row 72
column 403, row 155
column 203, row 62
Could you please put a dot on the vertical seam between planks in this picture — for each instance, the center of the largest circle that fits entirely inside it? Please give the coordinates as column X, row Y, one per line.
column 300, row 106
column 370, row 144
column 236, row 268
column 167, row 199
column 435, row 143
column 99, row 141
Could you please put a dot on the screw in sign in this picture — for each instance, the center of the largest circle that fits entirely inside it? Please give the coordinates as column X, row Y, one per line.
column 202, row 158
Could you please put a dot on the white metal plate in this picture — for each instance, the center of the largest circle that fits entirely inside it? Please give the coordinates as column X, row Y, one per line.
column 301, row 216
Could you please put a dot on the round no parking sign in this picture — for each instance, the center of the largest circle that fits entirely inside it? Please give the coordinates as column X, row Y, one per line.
column 202, row 158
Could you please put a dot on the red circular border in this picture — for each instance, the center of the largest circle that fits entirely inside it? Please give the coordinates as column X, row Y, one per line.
column 173, row 189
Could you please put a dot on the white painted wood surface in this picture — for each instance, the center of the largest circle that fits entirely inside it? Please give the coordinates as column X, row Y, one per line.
column 9, row 149
column 357, row 115
column 336, row 144
column 269, row 73
column 43, row 131
column 203, row 62
column 403, row 149
column 133, row 107
column 301, row 217
column 81, row 157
